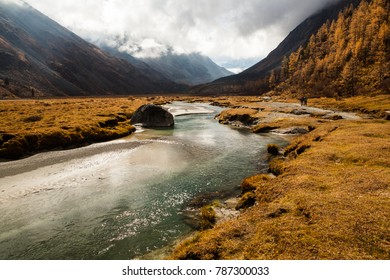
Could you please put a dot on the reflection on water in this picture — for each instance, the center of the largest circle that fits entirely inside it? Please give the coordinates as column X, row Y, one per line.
column 126, row 201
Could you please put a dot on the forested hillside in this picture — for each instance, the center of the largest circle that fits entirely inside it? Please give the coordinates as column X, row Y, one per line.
column 346, row 57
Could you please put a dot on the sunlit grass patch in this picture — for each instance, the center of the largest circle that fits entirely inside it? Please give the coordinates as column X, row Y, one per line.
column 37, row 125
column 373, row 105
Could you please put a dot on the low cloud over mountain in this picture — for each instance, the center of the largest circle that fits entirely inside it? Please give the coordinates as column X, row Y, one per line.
column 219, row 29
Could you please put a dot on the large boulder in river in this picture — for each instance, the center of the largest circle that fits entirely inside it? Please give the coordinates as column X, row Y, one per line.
column 151, row 115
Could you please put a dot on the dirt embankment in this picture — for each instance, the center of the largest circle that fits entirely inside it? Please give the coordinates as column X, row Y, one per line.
column 330, row 198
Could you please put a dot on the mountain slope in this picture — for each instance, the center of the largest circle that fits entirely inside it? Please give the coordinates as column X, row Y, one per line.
column 37, row 53
column 346, row 57
column 141, row 66
column 251, row 81
column 190, row 69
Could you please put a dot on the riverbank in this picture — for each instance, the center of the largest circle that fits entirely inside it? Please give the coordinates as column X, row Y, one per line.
column 32, row 126
column 330, row 198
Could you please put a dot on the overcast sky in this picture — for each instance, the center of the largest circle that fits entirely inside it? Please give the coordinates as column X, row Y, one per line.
column 228, row 31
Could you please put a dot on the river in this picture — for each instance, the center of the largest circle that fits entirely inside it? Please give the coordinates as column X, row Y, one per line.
column 125, row 198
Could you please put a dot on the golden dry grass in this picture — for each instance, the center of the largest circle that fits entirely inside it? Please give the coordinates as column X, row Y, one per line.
column 29, row 126
column 330, row 201
column 372, row 105
column 241, row 116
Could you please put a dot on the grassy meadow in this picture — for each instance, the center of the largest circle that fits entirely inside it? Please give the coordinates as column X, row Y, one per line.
column 30, row 126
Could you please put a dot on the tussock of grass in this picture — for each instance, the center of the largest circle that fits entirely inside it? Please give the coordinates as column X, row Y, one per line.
column 308, row 122
column 276, row 166
column 273, row 149
column 247, row 185
column 264, row 128
column 254, row 182
column 246, row 200
column 207, row 217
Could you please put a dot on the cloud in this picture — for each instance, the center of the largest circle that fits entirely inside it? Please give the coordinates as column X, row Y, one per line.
column 17, row 2
column 217, row 28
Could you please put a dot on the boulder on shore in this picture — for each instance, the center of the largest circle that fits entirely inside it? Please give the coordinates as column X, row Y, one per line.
column 151, row 115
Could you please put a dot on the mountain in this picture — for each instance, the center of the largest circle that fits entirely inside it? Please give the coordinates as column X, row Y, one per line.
column 141, row 66
column 190, row 69
column 252, row 80
column 37, row 55
column 346, row 57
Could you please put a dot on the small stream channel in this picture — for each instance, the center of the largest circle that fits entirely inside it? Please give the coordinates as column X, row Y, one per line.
column 125, row 198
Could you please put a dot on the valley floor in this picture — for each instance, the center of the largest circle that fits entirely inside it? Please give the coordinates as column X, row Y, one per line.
column 330, row 198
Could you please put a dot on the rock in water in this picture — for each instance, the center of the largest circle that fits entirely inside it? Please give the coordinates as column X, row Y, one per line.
column 151, row 115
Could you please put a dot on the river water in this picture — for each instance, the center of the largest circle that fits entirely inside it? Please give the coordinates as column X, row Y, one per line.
column 125, row 198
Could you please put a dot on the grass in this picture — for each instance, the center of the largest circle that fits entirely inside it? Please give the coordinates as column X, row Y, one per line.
column 246, row 200
column 245, row 116
column 30, row 126
column 372, row 105
column 207, row 217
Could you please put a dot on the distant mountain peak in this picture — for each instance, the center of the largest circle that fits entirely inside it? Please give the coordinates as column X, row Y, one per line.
column 182, row 68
